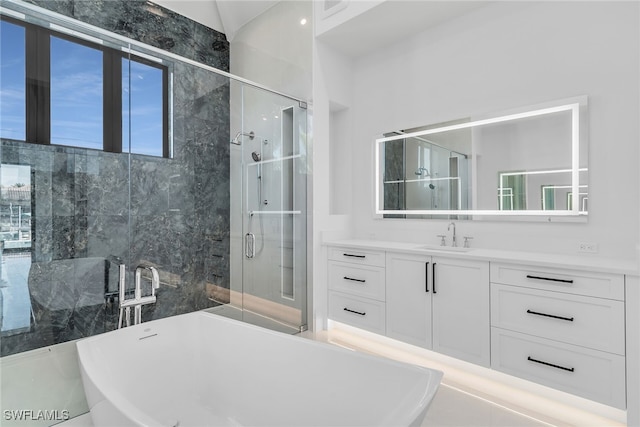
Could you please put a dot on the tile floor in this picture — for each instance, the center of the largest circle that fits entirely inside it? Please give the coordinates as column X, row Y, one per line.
column 453, row 407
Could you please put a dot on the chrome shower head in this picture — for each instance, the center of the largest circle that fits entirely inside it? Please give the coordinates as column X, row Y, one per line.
column 236, row 139
column 422, row 171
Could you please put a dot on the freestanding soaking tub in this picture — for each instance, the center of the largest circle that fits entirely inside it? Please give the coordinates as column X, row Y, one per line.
column 200, row 369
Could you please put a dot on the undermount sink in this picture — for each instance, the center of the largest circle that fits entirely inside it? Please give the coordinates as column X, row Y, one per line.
column 443, row 248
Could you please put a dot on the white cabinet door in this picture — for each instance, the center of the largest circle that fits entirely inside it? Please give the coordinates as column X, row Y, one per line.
column 461, row 316
column 409, row 298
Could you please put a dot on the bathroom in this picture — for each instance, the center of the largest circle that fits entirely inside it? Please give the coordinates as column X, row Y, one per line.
column 520, row 54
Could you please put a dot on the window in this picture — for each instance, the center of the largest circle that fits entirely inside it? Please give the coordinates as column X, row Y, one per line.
column 76, row 94
column 12, row 81
column 63, row 90
column 143, row 108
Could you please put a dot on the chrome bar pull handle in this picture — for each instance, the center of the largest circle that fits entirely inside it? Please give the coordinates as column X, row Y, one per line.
column 250, row 245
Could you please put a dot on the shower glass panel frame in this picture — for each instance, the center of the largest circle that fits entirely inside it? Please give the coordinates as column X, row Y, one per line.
column 269, row 209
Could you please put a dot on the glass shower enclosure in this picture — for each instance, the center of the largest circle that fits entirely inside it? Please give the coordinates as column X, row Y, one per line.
column 268, row 209
column 208, row 187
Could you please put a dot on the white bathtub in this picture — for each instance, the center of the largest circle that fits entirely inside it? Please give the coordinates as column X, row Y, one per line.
column 201, row 369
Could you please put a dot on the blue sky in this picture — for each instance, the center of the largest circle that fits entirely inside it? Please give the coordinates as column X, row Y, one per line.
column 77, row 95
column 12, row 75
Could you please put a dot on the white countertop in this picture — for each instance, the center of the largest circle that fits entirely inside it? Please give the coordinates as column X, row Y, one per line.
column 591, row 262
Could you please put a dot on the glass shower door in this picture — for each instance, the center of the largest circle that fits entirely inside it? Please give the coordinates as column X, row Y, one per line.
column 273, row 249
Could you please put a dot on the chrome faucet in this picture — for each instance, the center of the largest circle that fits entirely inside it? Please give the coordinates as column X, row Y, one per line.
column 150, row 299
column 454, row 243
column 138, row 300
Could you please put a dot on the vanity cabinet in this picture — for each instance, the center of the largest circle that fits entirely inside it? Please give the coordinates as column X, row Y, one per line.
column 562, row 328
column 439, row 303
column 565, row 328
column 357, row 288
column 409, row 299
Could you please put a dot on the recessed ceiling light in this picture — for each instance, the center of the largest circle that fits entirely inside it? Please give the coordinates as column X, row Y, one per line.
column 303, row 21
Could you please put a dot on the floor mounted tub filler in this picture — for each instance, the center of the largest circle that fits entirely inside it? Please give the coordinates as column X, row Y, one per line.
column 201, row 369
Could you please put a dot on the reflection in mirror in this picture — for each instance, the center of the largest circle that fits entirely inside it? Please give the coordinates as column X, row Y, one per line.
column 548, row 190
column 532, row 162
column 427, row 173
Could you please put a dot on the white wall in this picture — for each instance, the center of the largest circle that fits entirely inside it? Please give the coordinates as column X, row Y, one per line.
column 332, row 163
column 274, row 49
column 509, row 55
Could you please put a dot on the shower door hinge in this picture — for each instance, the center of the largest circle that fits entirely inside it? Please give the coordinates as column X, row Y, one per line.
column 302, row 105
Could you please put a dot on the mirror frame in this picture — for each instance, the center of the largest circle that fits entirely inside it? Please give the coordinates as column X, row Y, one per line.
column 577, row 107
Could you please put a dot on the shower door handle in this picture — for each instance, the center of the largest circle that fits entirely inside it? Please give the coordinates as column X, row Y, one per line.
column 250, row 245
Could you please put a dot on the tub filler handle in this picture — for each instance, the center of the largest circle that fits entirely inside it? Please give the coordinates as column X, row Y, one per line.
column 150, row 299
column 138, row 300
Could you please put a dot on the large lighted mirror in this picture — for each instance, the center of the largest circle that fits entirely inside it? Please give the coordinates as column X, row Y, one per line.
column 528, row 163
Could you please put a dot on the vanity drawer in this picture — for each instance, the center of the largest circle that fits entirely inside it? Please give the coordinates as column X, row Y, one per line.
column 578, row 282
column 360, row 280
column 359, row 312
column 357, row 256
column 584, row 372
column 586, row 321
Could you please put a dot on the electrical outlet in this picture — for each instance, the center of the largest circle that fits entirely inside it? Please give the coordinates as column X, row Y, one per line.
column 589, row 247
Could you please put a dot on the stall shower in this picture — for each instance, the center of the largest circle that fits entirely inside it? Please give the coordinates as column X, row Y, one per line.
column 268, row 210
column 214, row 160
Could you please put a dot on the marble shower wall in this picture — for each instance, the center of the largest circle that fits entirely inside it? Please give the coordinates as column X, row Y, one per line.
column 91, row 208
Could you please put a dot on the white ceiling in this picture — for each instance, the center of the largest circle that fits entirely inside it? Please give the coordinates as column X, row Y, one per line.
column 226, row 16
column 382, row 25
column 392, row 21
